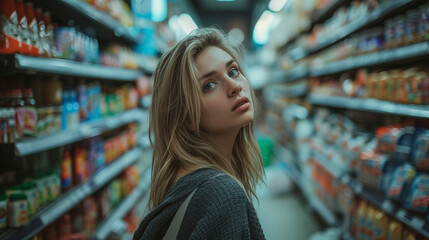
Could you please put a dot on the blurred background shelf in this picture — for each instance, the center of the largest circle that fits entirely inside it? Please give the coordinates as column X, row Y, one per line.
column 72, row 197
column 416, row 51
column 372, row 18
column 371, row 105
column 105, row 227
column 20, row 63
column 83, row 131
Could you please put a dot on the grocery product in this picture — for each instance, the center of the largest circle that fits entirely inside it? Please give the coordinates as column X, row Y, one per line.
column 3, row 210
column 395, row 231
column 417, row 196
column 401, row 177
column 17, row 210
column 420, row 151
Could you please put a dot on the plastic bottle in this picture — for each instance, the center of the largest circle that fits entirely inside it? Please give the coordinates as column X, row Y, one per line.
column 65, row 110
column 75, row 108
column 30, row 190
column 30, row 114
column 17, row 210
column 66, row 170
column 4, row 125
column 3, row 210
column 44, row 47
column 9, row 31
column 18, row 104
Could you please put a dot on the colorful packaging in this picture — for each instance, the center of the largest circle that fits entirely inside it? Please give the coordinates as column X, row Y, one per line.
column 402, row 176
column 30, row 190
column 66, row 170
column 17, row 210
column 380, row 225
column 420, row 152
column 395, row 231
column 387, row 138
column 417, row 196
column 361, row 220
column 371, row 169
column 370, row 222
column 65, row 42
column 404, row 144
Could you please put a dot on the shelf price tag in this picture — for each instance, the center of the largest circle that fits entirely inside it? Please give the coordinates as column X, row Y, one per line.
column 387, row 206
column 417, row 223
column 401, row 214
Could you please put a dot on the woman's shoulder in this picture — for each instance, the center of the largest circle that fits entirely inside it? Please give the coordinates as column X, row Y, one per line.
column 222, row 187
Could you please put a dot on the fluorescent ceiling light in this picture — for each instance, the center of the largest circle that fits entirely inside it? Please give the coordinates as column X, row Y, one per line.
column 277, row 5
column 225, row 0
column 158, row 10
column 263, row 27
column 187, row 23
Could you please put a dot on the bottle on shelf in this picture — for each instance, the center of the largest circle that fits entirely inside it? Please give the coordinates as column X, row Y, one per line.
column 17, row 210
column 9, row 33
column 30, row 113
column 3, row 210
column 23, row 28
column 66, row 170
column 32, row 29
column 44, row 47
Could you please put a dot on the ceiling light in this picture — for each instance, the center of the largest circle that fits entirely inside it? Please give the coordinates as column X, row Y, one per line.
column 225, row 0
column 277, row 5
column 187, row 23
column 263, row 27
column 158, row 10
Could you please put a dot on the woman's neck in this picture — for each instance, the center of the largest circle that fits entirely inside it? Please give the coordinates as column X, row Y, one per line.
column 224, row 143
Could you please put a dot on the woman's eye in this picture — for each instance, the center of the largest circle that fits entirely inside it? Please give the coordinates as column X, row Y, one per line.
column 233, row 73
column 209, row 86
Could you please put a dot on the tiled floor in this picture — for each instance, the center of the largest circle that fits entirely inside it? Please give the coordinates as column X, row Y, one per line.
column 285, row 216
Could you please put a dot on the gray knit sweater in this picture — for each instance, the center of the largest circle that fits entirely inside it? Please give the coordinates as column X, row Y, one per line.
column 219, row 209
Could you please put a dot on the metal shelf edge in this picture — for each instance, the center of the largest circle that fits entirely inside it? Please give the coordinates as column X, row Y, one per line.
column 371, row 105
column 84, row 131
column 73, row 197
column 74, row 68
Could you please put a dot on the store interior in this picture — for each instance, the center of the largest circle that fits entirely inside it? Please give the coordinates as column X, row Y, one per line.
column 343, row 126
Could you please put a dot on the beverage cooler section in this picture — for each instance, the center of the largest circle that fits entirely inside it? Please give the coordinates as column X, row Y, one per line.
column 73, row 134
column 348, row 108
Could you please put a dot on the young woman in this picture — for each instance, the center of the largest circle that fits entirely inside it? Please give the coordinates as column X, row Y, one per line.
column 204, row 148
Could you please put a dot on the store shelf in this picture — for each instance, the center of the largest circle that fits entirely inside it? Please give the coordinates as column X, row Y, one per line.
column 98, row 23
column 324, row 14
column 408, row 218
column 371, row 105
column 321, row 209
column 420, row 50
column 105, row 227
column 71, row 198
column 83, row 131
column 19, row 63
column 372, row 18
column 297, row 73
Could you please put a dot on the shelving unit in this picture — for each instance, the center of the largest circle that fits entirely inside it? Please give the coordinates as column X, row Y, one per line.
column 416, row 51
column 324, row 14
column 290, row 76
column 83, row 131
column 105, row 27
column 370, row 105
column 372, row 18
column 17, row 63
column 105, row 227
column 404, row 216
column 61, row 205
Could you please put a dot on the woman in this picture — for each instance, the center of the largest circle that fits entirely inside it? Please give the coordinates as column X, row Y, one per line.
column 204, row 149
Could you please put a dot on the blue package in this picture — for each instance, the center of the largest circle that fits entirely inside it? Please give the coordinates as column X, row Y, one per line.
column 417, row 197
column 401, row 178
column 420, row 151
column 404, row 144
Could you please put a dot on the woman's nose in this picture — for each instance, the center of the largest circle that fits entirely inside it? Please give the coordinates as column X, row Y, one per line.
column 234, row 87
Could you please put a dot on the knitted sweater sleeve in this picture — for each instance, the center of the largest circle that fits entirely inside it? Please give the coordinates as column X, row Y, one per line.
column 220, row 210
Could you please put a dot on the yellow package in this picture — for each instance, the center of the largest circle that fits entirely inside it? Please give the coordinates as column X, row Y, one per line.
column 361, row 221
column 395, row 231
column 370, row 222
column 380, row 225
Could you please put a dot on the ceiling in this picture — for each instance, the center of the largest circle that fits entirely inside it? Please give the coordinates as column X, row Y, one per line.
column 241, row 14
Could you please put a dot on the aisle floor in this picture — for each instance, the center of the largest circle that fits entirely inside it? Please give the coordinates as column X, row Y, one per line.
column 285, row 216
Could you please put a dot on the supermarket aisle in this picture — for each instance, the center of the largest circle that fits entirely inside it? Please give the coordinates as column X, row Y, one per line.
column 284, row 215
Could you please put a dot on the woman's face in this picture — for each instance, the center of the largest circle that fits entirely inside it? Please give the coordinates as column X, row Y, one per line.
column 227, row 101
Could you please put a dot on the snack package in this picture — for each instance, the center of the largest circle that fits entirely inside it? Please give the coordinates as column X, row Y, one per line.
column 417, row 195
column 361, row 220
column 371, row 169
column 402, row 176
column 394, row 231
column 380, row 225
column 387, row 138
column 404, row 144
column 420, row 150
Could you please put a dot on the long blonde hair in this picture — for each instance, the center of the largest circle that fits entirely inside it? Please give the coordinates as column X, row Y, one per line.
column 175, row 115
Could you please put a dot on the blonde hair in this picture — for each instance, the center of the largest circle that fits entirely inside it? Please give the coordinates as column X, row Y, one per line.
column 175, row 115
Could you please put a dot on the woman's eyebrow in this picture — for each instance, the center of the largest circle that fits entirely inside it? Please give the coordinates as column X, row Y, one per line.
column 213, row 72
